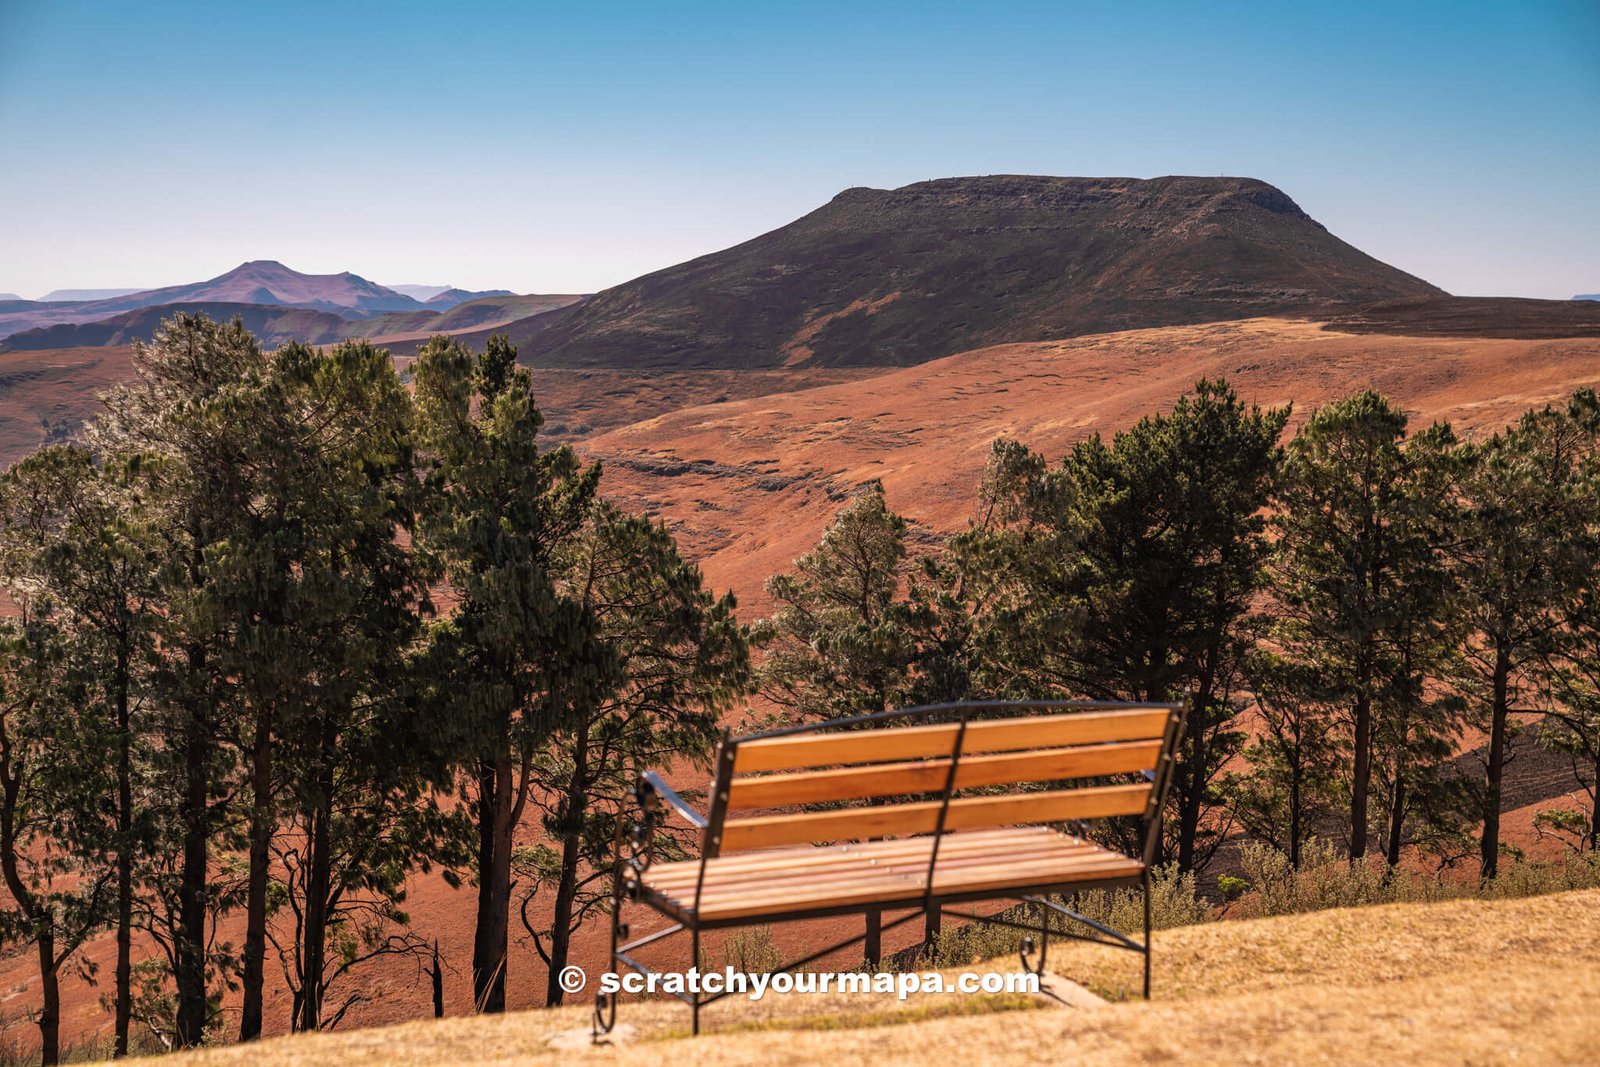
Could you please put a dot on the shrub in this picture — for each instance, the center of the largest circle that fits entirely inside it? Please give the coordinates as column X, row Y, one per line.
column 750, row 950
column 1578, row 870
column 1174, row 901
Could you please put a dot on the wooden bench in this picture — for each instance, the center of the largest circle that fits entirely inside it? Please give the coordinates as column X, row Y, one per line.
column 918, row 810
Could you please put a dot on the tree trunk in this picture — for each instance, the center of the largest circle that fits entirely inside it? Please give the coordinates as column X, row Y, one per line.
column 35, row 916
column 482, row 948
column 438, row 984
column 1489, row 857
column 1397, row 816
column 1594, row 807
column 494, row 885
column 190, row 950
column 577, row 803
column 1361, row 774
column 1296, row 772
column 319, row 880
column 1194, row 784
column 262, row 822
column 123, row 994
column 50, row 1000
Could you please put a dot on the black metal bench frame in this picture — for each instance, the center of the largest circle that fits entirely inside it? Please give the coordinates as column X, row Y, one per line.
column 632, row 858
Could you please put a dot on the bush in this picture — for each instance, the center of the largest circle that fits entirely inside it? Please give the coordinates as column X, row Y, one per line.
column 1577, row 870
column 1327, row 879
column 1174, row 901
column 750, row 950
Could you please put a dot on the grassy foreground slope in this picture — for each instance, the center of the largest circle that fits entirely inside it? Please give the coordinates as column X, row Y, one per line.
column 1465, row 981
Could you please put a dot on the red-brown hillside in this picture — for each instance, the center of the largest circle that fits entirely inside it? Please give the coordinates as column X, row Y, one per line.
column 750, row 484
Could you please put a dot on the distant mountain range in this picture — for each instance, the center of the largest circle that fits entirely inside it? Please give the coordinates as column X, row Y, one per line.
column 445, row 295
column 1587, row 296
column 421, row 292
column 266, row 286
column 278, row 324
column 83, row 295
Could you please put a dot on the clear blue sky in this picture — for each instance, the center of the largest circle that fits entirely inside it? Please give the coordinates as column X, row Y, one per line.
column 566, row 147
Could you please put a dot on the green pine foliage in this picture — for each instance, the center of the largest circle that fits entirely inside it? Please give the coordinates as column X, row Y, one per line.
column 290, row 635
column 680, row 660
column 1365, row 613
column 1525, row 556
column 840, row 642
column 516, row 659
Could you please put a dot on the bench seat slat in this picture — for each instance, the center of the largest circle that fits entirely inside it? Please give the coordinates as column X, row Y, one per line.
column 908, row 888
column 822, row 863
column 901, row 870
column 818, row 858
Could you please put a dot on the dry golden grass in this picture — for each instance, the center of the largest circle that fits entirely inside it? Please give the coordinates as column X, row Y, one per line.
column 1465, row 981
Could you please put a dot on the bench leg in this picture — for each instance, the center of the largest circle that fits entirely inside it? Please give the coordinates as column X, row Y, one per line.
column 694, row 962
column 931, row 927
column 874, row 941
column 605, row 1004
column 1033, row 952
column 1146, row 884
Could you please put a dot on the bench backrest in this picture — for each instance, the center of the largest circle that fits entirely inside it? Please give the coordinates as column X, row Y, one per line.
column 949, row 767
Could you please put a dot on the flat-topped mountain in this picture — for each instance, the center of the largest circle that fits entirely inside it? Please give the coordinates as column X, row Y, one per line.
column 905, row 275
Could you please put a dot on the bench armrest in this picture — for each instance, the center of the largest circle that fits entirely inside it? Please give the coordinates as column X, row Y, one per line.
column 651, row 781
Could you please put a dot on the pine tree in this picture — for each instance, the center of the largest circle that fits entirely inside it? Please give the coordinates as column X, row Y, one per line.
column 189, row 420
column 514, row 660
column 322, row 598
column 74, row 523
column 1131, row 573
column 1419, row 727
column 54, row 780
column 1292, row 783
column 1522, row 556
column 1571, row 724
column 1341, row 484
column 980, row 605
column 840, row 642
column 1362, row 596
column 679, row 658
